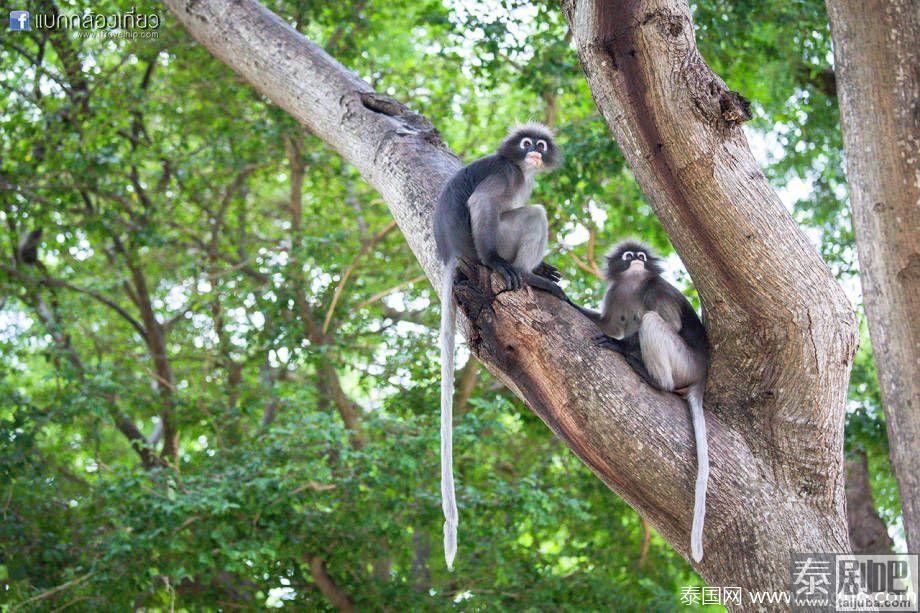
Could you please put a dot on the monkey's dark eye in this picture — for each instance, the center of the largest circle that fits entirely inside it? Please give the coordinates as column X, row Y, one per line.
column 526, row 143
column 628, row 255
column 541, row 146
column 641, row 256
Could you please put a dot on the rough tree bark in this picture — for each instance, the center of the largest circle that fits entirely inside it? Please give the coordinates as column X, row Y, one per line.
column 784, row 334
column 877, row 61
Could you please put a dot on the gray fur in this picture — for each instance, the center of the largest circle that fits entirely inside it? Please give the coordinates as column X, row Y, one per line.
column 522, row 236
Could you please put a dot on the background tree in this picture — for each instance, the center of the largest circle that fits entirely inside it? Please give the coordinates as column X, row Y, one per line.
column 875, row 48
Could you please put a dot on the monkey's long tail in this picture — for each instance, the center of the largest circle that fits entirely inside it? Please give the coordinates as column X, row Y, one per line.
column 695, row 400
column 448, row 498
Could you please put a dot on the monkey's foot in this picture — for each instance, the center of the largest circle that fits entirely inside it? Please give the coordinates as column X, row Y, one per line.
column 606, row 342
column 510, row 275
column 548, row 271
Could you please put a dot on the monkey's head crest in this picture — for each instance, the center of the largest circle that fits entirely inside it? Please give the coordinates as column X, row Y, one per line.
column 531, row 145
column 631, row 254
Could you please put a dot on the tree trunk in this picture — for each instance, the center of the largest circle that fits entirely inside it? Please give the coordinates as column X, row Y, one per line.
column 877, row 61
column 782, row 330
column 868, row 533
column 784, row 335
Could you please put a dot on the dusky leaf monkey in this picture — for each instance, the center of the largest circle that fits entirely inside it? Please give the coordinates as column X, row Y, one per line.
column 655, row 328
column 483, row 216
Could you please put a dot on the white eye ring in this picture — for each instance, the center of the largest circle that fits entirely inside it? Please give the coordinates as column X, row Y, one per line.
column 641, row 256
column 628, row 255
column 541, row 145
column 526, row 143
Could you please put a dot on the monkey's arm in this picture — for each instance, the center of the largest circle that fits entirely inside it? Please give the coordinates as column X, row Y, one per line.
column 591, row 314
column 602, row 317
column 664, row 299
column 485, row 211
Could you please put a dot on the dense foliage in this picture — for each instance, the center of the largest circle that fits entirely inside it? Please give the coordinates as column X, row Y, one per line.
column 218, row 383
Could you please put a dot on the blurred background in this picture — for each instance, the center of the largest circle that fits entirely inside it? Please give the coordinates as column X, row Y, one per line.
column 218, row 356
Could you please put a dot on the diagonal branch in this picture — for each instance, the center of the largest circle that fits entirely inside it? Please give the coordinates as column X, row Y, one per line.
column 384, row 293
column 47, row 314
column 365, row 248
column 101, row 299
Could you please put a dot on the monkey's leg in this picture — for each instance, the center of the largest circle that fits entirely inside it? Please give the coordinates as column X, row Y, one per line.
column 675, row 366
column 635, row 362
column 522, row 240
column 522, row 236
column 668, row 359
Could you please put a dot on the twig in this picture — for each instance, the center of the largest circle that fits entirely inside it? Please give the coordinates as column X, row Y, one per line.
column 188, row 522
column 589, row 268
column 313, row 485
column 646, row 539
column 53, row 591
column 351, row 267
column 387, row 292
column 70, row 603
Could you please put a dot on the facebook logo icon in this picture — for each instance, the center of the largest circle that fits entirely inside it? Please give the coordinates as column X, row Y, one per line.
column 19, row 20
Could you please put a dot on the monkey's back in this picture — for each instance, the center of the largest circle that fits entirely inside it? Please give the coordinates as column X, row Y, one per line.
column 453, row 233
column 691, row 327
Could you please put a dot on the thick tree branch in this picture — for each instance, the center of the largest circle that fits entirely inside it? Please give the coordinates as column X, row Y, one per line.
column 783, row 332
column 770, row 300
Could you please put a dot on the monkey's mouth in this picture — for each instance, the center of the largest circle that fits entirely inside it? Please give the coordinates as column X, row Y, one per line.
column 534, row 159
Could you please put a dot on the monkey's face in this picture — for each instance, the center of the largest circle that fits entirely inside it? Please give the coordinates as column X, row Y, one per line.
column 632, row 257
column 531, row 147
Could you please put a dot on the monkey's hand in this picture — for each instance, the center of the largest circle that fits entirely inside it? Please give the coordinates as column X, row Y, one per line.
column 511, row 275
column 608, row 342
column 548, row 271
